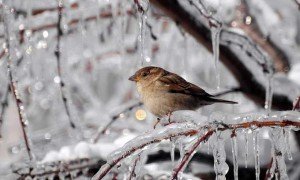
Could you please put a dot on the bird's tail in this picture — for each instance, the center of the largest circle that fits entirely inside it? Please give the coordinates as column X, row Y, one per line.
column 222, row 101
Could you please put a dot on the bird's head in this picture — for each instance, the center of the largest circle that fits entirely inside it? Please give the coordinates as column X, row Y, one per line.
column 147, row 75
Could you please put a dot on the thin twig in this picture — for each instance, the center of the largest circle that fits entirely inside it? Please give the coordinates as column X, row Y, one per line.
column 59, row 67
column 132, row 172
column 13, row 84
column 186, row 158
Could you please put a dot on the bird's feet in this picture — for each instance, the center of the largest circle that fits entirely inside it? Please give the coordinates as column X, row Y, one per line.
column 156, row 123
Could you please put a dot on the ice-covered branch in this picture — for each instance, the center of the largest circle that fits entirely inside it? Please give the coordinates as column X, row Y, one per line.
column 138, row 143
column 203, row 132
column 59, row 66
column 241, row 56
column 12, row 81
column 247, row 22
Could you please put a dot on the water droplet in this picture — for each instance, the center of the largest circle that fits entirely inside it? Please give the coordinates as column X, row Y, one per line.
column 29, row 50
column 45, row 34
column 248, row 20
column 21, row 27
column 56, row 79
column 47, row 136
column 15, row 150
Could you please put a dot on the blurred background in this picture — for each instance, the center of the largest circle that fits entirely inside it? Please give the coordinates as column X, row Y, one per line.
column 70, row 60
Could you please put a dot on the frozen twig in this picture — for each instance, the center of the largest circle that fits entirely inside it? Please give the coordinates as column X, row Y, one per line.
column 188, row 155
column 59, row 67
column 13, row 83
column 132, row 173
column 184, row 130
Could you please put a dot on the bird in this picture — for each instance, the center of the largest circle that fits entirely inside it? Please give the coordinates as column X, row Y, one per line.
column 164, row 92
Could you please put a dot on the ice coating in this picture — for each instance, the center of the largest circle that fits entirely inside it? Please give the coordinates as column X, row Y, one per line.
column 220, row 165
column 279, row 145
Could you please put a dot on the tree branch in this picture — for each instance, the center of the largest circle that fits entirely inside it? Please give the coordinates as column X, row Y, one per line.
column 232, row 45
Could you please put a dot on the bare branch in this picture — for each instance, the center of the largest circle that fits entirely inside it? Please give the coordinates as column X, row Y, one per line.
column 13, row 83
column 59, row 67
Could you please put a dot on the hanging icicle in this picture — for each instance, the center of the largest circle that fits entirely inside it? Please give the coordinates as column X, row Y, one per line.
column 269, row 92
column 142, row 6
column 234, row 157
column 220, row 165
column 58, row 79
column 256, row 153
column 278, row 142
column 215, row 38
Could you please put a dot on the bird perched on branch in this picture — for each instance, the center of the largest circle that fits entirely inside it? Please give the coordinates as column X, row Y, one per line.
column 164, row 92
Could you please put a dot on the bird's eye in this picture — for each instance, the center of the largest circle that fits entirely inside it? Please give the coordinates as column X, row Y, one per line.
column 144, row 74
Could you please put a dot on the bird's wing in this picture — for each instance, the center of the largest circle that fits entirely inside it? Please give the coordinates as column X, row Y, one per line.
column 177, row 84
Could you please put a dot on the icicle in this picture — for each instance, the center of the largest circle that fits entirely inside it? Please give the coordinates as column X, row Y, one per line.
column 220, row 166
column 256, row 153
column 142, row 30
column 215, row 37
column 286, row 133
column 172, row 152
column 269, row 92
column 247, row 149
column 278, row 142
column 181, row 149
column 234, row 157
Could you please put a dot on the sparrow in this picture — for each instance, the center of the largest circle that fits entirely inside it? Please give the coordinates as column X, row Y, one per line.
column 164, row 92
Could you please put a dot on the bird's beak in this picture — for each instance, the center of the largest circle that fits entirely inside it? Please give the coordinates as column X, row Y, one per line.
column 133, row 78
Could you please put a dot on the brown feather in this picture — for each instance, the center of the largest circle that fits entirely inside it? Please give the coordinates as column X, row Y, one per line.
column 177, row 84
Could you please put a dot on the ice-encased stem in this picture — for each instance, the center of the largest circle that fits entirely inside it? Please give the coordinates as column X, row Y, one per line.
column 269, row 92
column 234, row 157
column 278, row 142
column 11, row 45
column 220, row 165
column 256, row 153
column 215, row 38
